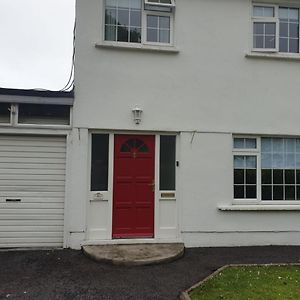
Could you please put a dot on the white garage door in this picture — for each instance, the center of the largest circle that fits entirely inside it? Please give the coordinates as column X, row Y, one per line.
column 32, row 188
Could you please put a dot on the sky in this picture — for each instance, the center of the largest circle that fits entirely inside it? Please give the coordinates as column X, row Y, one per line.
column 36, row 43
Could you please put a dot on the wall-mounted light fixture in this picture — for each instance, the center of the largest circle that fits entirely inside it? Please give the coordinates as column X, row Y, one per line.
column 137, row 115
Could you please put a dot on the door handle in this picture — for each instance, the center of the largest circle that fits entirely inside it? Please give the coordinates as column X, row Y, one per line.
column 153, row 185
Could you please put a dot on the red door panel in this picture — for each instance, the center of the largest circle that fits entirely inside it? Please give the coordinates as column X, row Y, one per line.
column 133, row 192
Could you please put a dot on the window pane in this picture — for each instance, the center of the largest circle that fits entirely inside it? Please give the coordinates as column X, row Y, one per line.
column 250, row 176
column 278, row 145
column 266, row 145
column 266, row 192
column 123, row 17
column 135, row 18
column 298, row 192
column 239, row 192
column 44, row 114
column 268, row 12
column 298, row 176
column 258, row 28
column 266, row 161
column 294, row 45
column 270, row 41
column 278, row 160
column 122, row 34
column 167, row 163
column 111, row 3
column 164, row 36
column 290, row 176
column 290, row 192
column 152, row 21
column 294, row 30
column 239, row 161
column 278, row 192
column 293, row 14
column 99, row 170
column 110, row 33
column 239, row 176
column 270, row 28
column 283, row 45
column 123, row 3
column 250, row 143
column 135, row 35
column 258, row 41
column 284, row 14
column 110, row 17
column 251, row 191
column 238, row 143
column 152, row 35
column 266, row 176
column 258, row 11
column 250, row 162
column 164, row 22
column 263, row 11
column 244, row 143
column 5, row 112
column 278, row 176
column 136, row 4
column 284, row 29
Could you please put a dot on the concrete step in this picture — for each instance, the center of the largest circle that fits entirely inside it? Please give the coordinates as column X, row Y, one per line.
column 135, row 254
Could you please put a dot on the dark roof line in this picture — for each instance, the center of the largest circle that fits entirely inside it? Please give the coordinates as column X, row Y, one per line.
column 39, row 93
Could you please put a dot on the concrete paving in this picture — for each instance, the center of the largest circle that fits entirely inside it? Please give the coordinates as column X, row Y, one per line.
column 136, row 254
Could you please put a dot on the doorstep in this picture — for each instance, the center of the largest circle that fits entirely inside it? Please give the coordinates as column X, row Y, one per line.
column 135, row 254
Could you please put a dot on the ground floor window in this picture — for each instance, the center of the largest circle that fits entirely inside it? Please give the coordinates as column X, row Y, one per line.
column 167, row 163
column 99, row 162
column 266, row 168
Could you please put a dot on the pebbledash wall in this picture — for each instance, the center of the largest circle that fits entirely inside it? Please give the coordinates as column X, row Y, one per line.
column 207, row 90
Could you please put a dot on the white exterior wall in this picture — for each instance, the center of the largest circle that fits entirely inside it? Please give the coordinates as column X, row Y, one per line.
column 210, row 88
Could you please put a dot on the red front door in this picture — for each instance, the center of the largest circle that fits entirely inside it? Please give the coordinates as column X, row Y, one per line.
column 133, row 192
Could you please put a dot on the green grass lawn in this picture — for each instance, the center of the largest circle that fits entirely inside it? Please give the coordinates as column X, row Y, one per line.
column 253, row 282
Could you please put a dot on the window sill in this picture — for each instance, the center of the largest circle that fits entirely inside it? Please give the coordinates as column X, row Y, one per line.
column 254, row 207
column 278, row 56
column 142, row 47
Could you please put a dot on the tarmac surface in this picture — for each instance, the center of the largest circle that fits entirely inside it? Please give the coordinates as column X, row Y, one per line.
column 69, row 274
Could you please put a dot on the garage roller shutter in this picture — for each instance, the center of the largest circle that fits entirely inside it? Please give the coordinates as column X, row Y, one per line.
column 32, row 189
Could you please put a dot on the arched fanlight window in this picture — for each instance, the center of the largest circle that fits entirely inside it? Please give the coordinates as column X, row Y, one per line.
column 135, row 145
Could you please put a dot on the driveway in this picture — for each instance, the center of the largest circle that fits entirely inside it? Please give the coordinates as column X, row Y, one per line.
column 68, row 274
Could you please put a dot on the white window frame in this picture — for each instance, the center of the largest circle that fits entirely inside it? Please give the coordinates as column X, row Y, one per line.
column 144, row 27
column 274, row 19
column 248, row 152
column 256, row 152
column 144, row 13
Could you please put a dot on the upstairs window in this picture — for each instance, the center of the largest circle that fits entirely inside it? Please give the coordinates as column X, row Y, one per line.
column 275, row 28
column 123, row 19
column 138, row 21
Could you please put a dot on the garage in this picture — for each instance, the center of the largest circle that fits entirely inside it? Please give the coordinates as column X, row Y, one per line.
column 32, row 191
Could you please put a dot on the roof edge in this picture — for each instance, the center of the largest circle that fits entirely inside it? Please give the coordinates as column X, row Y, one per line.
column 37, row 93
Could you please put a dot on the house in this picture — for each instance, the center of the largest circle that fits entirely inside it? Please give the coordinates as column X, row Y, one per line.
column 185, row 124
